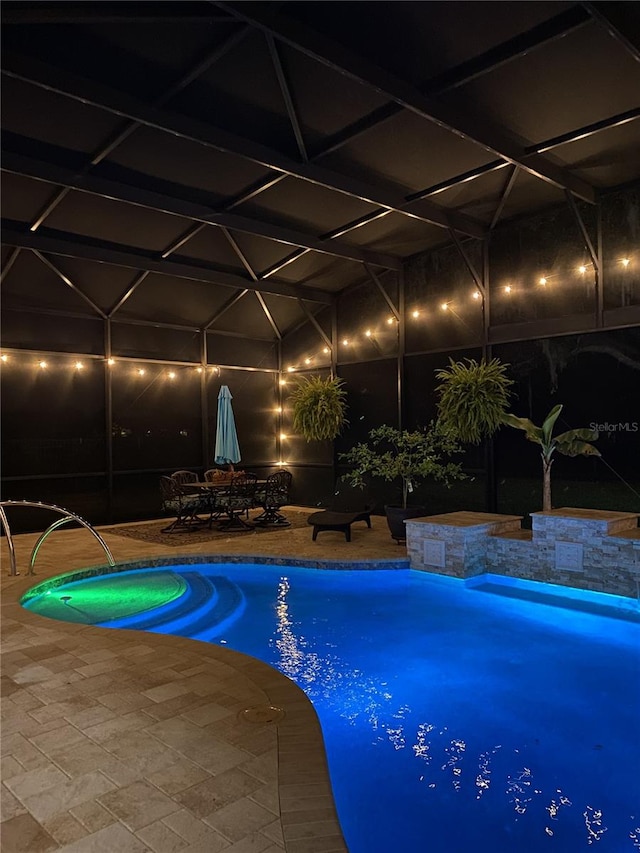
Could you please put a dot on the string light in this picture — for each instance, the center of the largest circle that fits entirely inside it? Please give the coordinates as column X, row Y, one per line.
column 283, row 436
column 476, row 294
column 391, row 320
column 290, row 369
column 171, row 375
column 199, row 370
column 111, row 362
column 283, row 382
column 345, row 342
column 326, row 350
column 307, row 361
column 625, row 262
column 444, row 306
column 141, row 371
column 507, row 288
column 415, row 314
column 4, row 357
column 278, row 410
column 79, row 365
column 542, row 280
column 582, row 269
column 42, row 365
column 367, row 334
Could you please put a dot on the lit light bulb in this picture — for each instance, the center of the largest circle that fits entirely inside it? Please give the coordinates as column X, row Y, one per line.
column 507, row 289
column 625, row 262
column 283, row 436
column 415, row 314
column 326, row 350
column 476, row 294
column 4, row 357
column 171, row 375
column 391, row 320
column 444, row 306
column 367, row 334
column 290, row 369
column 542, row 281
column 111, row 362
column 582, row 269
column 307, row 361
column 278, row 410
column 141, row 371
column 345, row 342
column 79, row 365
column 198, row 370
column 43, row 365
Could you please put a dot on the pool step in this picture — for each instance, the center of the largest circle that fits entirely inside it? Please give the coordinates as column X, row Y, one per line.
column 198, row 598
column 207, row 607
column 216, row 616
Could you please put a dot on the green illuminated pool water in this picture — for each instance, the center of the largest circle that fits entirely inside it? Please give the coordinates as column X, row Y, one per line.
column 108, row 597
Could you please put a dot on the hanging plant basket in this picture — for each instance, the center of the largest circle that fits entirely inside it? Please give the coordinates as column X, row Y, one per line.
column 319, row 408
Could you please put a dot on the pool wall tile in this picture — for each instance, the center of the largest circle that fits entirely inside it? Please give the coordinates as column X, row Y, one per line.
column 606, row 557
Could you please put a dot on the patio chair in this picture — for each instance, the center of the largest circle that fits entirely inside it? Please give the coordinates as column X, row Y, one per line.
column 237, row 499
column 271, row 497
column 184, row 506
column 348, row 505
column 183, row 477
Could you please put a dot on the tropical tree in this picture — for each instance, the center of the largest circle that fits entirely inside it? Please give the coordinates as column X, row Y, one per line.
column 574, row 442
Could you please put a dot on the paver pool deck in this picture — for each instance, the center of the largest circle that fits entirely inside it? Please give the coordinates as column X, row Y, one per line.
column 120, row 741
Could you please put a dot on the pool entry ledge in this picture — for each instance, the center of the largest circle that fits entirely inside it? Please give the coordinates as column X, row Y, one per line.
column 585, row 548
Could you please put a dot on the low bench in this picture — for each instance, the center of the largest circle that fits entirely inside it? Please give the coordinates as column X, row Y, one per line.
column 326, row 519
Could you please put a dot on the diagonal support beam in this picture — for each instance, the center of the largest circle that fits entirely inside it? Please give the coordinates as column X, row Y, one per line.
column 128, row 292
column 268, row 315
column 506, row 192
column 583, row 230
column 54, row 79
column 315, row 324
column 233, row 300
column 621, row 21
column 475, row 275
column 476, row 128
column 13, row 257
column 69, row 283
column 384, row 293
column 57, row 243
column 286, row 95
column 124, row 132
column 136, row 194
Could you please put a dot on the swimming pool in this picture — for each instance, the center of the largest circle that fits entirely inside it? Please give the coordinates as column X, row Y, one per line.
column 454, row 718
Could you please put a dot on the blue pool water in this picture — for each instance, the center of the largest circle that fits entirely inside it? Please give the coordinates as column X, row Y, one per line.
column 455, row 719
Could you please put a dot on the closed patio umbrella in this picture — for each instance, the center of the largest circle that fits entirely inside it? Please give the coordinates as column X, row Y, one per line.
column 227, row 450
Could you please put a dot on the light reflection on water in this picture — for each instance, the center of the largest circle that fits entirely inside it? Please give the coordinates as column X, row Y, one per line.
column 441, row 752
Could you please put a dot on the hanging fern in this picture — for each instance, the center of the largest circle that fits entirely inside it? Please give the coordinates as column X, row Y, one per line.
column 473, row 397
column 319, row 408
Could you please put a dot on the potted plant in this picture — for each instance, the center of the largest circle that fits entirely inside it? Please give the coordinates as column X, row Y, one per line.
column 408, row 457
column 472, row 405
column 319, row 407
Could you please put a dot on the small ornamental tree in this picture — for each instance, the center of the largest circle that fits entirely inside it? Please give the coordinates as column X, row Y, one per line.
column 410, row 457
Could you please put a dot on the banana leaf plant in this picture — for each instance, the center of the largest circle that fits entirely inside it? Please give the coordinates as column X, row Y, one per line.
column 574, row 442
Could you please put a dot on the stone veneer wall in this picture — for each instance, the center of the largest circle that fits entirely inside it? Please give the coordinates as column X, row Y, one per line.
column 587, row 549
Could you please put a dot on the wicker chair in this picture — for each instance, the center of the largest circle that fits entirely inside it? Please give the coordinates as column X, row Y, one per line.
column 184, row 506
column 271, row 497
